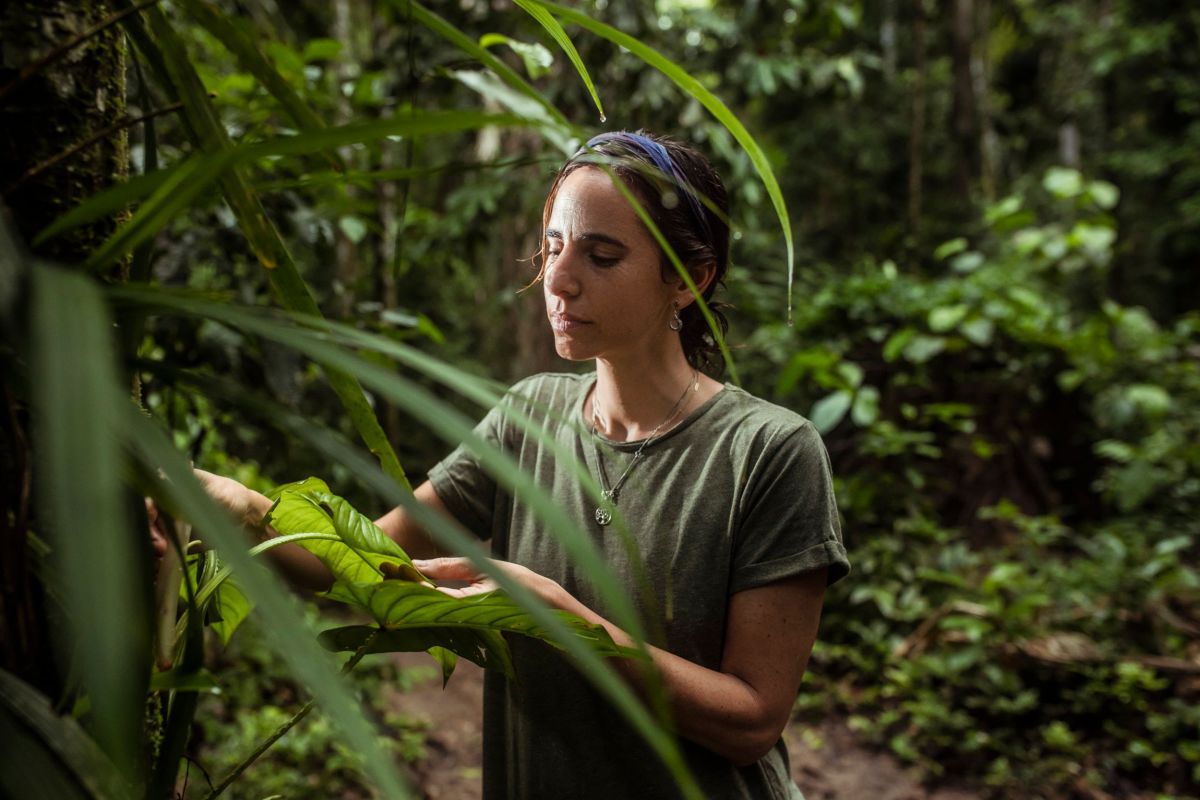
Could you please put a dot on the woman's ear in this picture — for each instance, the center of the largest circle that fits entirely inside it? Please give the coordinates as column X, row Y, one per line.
column 703, row 274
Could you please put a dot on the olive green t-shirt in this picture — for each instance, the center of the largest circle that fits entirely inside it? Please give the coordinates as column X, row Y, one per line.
column 737, row 495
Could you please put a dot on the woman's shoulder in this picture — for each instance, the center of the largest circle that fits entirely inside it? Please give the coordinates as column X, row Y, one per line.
column 751, row 413
column 545, row 387
column 555, row 392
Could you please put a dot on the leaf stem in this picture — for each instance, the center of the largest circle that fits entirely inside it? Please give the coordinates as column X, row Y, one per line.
column 285, row 727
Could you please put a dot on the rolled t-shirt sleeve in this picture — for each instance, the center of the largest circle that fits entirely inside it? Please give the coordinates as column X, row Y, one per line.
column 789, row 520
column 464, row 486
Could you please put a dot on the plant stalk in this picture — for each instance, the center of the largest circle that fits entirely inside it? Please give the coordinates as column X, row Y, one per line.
column 296, row 719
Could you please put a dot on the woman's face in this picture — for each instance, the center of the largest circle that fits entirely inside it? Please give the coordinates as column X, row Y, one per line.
column 605, row 295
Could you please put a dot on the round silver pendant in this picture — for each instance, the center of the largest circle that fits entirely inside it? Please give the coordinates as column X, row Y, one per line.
column 602, row 516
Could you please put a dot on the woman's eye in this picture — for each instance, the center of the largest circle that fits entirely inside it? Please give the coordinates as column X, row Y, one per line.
column 604, row 261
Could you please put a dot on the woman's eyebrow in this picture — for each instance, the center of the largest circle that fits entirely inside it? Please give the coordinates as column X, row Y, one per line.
column 555, row 233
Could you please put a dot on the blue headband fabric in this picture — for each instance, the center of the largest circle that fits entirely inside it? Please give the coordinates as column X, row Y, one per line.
column 662, row 161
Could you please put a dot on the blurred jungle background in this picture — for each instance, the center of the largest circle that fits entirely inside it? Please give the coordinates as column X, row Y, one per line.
column 996, row 213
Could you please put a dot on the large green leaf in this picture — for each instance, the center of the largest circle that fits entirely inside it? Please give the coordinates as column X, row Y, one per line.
column 403, row 605
column 98, row 551
column 715, row 106
column 484, row 647
column 362, row 553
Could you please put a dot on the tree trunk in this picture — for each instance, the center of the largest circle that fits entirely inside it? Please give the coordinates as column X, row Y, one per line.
column 346, row 250
column 62, row 104
column 916, row 136
column 57, row 106
column 964, row 123
column 988, row 143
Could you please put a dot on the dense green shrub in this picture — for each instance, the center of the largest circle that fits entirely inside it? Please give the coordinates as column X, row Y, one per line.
column 1020, row 478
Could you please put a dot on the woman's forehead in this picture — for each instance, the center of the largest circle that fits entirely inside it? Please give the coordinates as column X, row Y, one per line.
column 588, row 198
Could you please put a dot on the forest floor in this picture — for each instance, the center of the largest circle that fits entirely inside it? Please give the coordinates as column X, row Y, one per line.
column 828, row 762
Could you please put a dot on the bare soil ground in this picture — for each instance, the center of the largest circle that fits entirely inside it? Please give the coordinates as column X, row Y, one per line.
column 828, row 763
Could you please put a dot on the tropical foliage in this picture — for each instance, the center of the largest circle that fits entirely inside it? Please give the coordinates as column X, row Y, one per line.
column 991, row 208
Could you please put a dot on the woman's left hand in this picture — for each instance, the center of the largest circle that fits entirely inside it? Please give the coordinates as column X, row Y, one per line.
column 461, row 569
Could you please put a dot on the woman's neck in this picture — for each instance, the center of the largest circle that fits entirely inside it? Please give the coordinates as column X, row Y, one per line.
column 631, row 400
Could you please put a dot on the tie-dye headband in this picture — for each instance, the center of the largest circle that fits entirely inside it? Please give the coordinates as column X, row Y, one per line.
column 663, row 162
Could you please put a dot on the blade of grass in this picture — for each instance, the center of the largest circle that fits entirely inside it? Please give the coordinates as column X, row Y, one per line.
column 268, row 246
column 177, row 187
column 715, row 106
column 77, row 414
column 547, row 21
column 454, row 427
column 454, row 36
column 283, row 622
column 426, row 123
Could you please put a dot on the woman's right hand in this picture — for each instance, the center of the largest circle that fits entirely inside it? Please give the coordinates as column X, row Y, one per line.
column 247, row 506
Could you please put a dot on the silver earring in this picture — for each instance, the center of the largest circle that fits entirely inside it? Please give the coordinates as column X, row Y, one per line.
column 676, row 322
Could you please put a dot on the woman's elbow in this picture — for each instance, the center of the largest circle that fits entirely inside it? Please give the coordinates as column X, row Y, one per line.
column 755, row 741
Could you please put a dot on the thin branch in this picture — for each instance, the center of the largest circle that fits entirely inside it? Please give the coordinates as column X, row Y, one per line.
column 285, row 727
column 124, row 122
column 36, row 66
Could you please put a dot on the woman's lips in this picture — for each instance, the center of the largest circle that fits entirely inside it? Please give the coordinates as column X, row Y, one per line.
column 565, row 323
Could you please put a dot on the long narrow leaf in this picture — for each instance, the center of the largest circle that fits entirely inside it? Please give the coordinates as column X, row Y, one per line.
column 201, row 172
column 710, row 101
column 455, row 428
column 262, row 236
column 547, row 21
column 253, row 61
column 454, row 36
column 283, row 621
column 49, row 756
column 77, row 416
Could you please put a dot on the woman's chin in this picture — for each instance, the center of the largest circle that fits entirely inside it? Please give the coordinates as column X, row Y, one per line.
column 572, row 351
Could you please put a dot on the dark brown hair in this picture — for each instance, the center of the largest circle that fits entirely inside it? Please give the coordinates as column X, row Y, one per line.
column 692, row 228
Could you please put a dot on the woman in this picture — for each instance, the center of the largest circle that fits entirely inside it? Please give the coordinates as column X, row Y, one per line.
column 728, row 497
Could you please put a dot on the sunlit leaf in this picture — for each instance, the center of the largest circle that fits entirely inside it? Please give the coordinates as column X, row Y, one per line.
column 829, row 410
column 537, row 58
column 361, row 553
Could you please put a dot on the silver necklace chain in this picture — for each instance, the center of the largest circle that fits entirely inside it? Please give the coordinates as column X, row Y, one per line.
column 601, row 514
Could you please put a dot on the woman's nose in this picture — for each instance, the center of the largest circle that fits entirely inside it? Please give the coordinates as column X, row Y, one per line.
column 560, row 274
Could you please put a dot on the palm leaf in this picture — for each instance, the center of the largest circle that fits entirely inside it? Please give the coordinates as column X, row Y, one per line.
column 264, row 240
column 454, row 36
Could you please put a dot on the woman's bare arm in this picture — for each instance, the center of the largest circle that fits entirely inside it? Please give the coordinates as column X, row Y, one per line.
column 739, row 710
column 299, row 566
